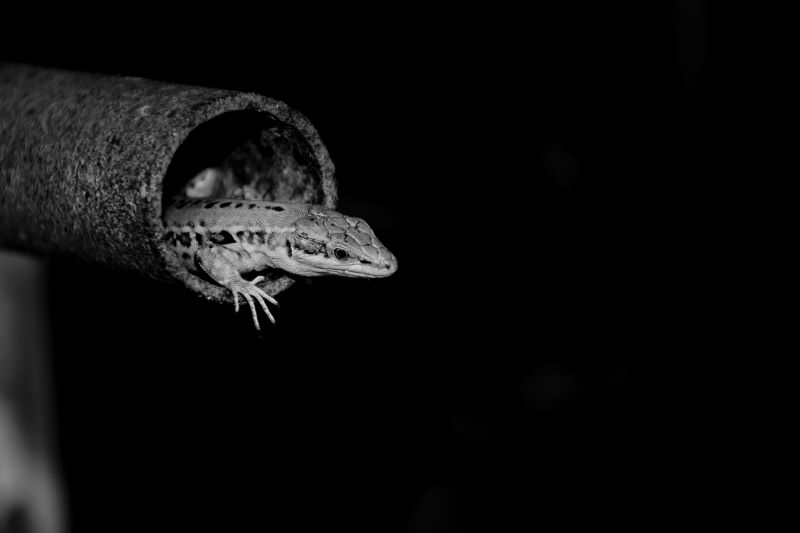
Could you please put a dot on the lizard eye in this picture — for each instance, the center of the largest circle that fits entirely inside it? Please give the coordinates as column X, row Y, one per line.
column 340, row 254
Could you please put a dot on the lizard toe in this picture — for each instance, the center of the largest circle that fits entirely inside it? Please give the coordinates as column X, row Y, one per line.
column 251, row 292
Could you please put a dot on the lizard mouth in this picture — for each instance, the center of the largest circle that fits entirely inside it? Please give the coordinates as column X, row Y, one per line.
column 385, row 265
column 363, row 269
column 369, row 271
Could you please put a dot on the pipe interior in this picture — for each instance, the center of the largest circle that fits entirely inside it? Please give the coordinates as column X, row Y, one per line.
column 255, row 152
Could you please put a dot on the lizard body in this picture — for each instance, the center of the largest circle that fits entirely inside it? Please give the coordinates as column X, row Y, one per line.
column 225, row 238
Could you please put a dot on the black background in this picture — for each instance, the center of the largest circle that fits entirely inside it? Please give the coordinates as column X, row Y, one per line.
column 557, row 187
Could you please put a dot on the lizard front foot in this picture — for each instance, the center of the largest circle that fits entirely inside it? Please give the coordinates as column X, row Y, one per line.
column 251, row 291
column 211, row 260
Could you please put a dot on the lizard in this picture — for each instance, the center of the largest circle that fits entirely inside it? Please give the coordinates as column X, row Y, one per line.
column 224, row 238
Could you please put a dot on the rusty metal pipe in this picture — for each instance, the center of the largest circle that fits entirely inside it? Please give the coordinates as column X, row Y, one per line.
column 86, row 161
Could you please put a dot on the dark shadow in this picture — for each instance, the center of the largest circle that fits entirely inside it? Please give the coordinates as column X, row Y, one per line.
column 271, row 157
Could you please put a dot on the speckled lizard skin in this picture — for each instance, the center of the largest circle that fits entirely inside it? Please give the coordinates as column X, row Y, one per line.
column 225, row 238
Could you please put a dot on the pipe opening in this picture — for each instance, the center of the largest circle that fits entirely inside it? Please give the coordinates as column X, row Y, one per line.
column 244, row 154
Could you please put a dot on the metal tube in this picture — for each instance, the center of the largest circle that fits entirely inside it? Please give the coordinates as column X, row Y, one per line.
column 86, row 160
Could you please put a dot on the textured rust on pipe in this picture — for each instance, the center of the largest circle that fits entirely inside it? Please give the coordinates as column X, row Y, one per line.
column 83, row 161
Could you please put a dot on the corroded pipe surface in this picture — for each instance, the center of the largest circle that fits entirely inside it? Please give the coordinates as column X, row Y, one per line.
column 86, row 162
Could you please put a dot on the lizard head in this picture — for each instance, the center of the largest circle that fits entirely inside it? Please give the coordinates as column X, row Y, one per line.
column 326, row 242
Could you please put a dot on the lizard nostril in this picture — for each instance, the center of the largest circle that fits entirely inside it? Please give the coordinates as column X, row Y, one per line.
column 390, row 266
